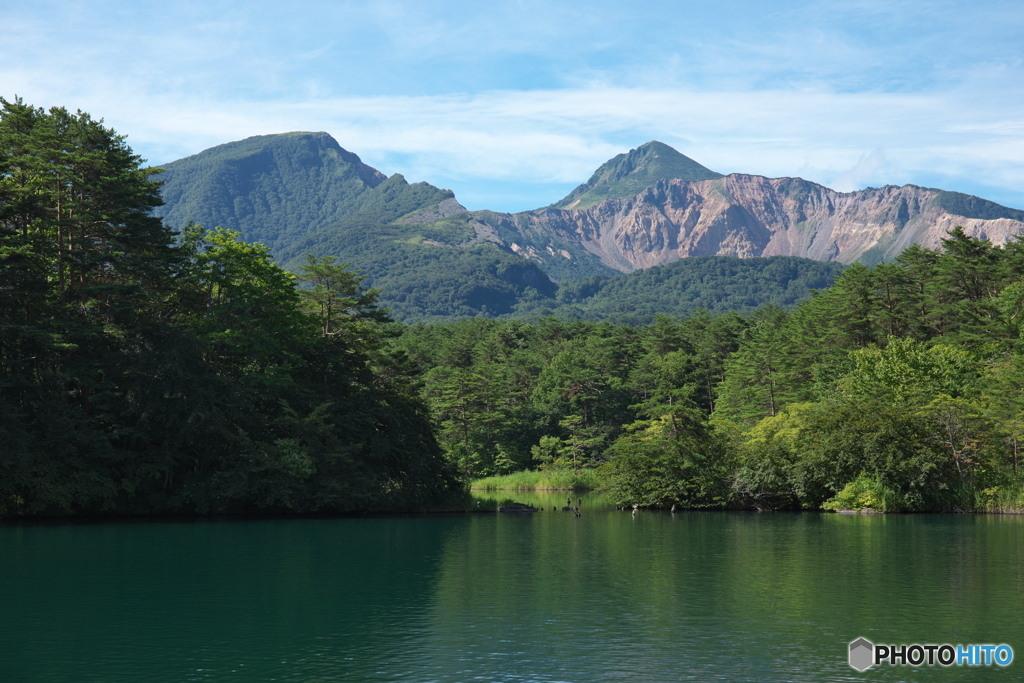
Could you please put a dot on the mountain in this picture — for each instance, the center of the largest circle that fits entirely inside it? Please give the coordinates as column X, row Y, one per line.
column 271, row 188
column 629, row 174
column 302, row 193
column 685, row 210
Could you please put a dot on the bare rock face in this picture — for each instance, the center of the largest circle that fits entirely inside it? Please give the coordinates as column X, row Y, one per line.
column 747, row 215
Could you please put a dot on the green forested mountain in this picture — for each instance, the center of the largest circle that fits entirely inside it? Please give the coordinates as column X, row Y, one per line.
column 424, row 271
column 629, row 174
column 301, row 193
column 273, row 189
column 431, row 260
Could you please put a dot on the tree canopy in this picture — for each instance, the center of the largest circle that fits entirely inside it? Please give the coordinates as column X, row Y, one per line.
column 143, row 372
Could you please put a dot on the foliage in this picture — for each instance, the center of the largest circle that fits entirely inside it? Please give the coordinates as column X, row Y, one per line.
column 713, row 283
column 669, row 461
column 140, row 375
column 910, row 372
column 864, row 492
column 753, row 386
column 541, row 480
column 810, row 452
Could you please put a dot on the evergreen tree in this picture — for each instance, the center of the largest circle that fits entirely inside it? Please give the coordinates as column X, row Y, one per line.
column 752, row 388
column 143, row 375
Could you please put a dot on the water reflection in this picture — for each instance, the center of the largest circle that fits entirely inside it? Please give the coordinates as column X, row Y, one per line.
column 719, row 596
column 266, row 600
column 547, row 501
column 546, row 596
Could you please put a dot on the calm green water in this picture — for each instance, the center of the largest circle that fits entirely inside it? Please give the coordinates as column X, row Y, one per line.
column 542, row 597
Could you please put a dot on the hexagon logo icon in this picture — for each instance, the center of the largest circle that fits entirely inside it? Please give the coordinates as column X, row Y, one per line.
column 861, row 654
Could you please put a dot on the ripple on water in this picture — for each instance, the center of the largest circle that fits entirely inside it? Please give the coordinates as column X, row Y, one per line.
column 541, row 597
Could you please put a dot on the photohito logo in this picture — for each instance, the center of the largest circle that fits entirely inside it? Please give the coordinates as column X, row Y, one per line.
column 864, row 654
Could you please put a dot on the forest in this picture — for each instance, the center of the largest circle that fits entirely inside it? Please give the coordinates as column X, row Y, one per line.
column 144, row 371
column 898, row 388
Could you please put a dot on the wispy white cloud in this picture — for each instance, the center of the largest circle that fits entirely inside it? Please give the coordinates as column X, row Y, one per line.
column 866, row 171
column 537, row 93
column 560, row 136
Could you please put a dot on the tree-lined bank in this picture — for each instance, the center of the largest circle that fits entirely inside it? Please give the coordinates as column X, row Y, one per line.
column 898, row 388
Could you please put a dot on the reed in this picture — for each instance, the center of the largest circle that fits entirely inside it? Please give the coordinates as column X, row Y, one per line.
column 540, row 480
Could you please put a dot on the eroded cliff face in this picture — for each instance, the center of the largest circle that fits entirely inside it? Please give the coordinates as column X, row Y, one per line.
column 746, row 215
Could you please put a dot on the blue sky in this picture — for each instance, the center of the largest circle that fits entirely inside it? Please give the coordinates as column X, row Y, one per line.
column 512, row 104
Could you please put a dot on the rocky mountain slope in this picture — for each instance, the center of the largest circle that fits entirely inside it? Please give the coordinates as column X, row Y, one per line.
column 302, row 193
column 739, row 215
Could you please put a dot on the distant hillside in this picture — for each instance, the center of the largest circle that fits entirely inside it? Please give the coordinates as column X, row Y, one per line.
column 969, row 206
column 271, row 188
column 302, row 193
column 714, row 283
column 424, row 271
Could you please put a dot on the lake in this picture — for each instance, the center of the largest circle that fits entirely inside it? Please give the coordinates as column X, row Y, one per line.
column 608, row 596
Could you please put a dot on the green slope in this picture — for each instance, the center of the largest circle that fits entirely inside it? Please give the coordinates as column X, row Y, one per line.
column 271, row 188
column 631, row 173
column 302, row 193
column 969, row 206
column 417, row 280
column 715, row 283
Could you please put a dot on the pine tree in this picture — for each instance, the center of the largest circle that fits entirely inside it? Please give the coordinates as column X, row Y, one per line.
column 752, row 388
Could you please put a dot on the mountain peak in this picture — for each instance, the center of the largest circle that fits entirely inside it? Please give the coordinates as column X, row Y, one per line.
column 268, row 187
column 628, row 174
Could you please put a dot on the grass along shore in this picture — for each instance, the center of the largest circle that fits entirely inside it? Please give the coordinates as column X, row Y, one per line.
column 540, row 480
column 861, row 494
